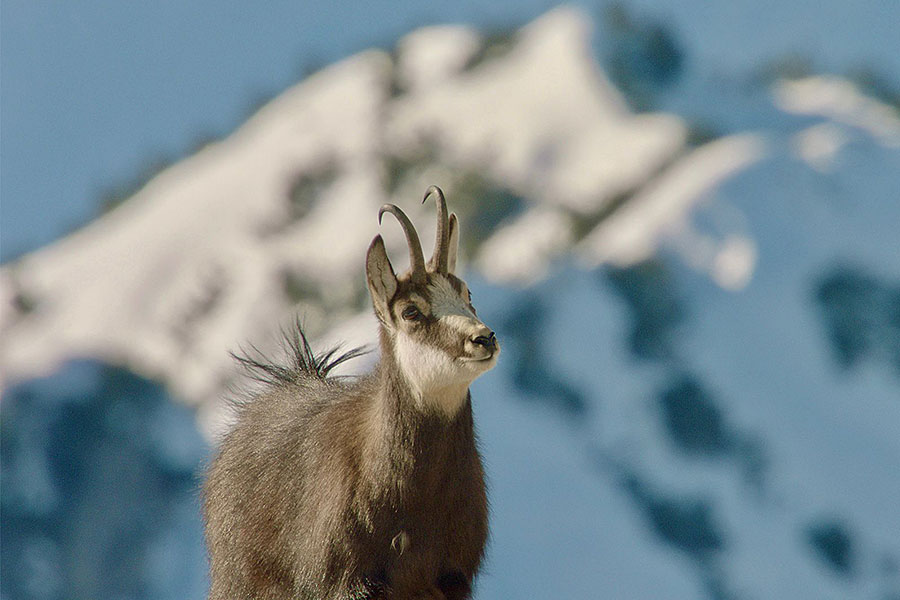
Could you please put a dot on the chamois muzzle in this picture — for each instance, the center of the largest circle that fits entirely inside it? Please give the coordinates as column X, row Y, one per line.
column 488, row 341
column 482, row 345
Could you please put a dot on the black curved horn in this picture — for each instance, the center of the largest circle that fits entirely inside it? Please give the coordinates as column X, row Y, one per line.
column 439, row 259
column 416, row 258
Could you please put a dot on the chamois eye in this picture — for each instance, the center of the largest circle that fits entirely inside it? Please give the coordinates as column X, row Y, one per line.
column 411, row 313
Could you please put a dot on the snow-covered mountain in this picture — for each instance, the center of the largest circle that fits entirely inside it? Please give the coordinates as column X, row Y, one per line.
column 219, row 247
column 699, row 389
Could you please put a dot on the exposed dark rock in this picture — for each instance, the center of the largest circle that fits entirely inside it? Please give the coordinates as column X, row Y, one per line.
column 833, row 544
column 494, row 45
column 861, row 314
column 654, row 307
column 642, row 56
column 99, row 489
column 306, row 188
column 532, row 372
column 694, row 423
column 685, row 523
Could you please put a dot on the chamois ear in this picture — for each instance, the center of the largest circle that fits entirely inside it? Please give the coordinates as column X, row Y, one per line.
column 381, row 279
column 453, row 246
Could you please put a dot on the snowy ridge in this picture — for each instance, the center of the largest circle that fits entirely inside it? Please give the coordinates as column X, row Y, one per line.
column 663, row 210
column 166, row 282
column 200, row 259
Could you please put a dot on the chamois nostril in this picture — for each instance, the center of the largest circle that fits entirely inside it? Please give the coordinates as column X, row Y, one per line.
column 485, row 340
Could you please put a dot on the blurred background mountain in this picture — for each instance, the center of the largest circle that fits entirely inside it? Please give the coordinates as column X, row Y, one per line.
column 681, row 219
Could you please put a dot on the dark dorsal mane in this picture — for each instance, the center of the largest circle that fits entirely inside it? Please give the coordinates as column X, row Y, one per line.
column 299, row 361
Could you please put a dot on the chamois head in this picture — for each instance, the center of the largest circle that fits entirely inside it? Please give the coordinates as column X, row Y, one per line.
column 428, row 321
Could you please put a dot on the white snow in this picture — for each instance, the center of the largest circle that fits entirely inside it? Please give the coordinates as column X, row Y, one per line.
column 662, row 209
column 195, row 263
column 819, row 144
column 521, row 252
column 542, row 118
column 431, row 55
column 841, row 101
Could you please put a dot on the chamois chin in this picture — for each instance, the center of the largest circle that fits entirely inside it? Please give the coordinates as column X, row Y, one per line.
column 368, row 488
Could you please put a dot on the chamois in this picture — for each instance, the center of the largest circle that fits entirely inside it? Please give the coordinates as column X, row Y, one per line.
column 338, row 488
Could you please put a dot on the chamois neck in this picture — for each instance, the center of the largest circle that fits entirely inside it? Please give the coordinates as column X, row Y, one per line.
column 442, row 400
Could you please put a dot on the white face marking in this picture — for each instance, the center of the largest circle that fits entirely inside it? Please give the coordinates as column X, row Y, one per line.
column 445, row 301
column 436, row 376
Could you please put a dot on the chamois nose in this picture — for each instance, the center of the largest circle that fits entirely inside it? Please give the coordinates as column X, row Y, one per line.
column 488, row 341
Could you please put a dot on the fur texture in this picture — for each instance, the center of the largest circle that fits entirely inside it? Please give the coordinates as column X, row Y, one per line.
column 338, row 488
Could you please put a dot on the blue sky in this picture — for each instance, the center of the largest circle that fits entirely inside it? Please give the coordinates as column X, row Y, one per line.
column 94, row 93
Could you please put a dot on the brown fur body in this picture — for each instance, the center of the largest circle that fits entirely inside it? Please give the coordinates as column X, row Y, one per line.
column 305, row 498
column 331, row 488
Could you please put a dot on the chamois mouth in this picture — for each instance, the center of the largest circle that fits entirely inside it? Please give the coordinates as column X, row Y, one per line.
column 478, row 359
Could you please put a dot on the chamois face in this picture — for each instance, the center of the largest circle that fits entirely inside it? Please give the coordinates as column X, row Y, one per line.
column 437, row 340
